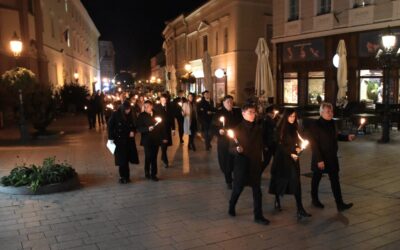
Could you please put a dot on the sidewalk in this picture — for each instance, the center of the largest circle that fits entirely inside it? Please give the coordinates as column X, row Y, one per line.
column 188, row 207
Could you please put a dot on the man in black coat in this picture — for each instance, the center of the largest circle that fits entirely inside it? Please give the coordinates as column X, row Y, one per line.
column 121, row 130
column 165, row 110
column 153, row 135
column 324, row 137
column 231, row 117
column 247, row 147
column 269, row 135
column 90, row 109
column 177, row 104
column 205, row 111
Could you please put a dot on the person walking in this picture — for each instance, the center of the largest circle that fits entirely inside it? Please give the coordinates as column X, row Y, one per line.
column 122, row 130
column 269, row 135
column 324, row 137
column 285, row 170
column 178, row 104
column 226, row 117
column 152, row 136
column 90, row 111
column 247, row 146
column 205, row 110
column 190, row 120
column 165, row 110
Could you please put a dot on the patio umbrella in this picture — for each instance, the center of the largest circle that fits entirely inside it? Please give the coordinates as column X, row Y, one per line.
column 207, row 71
column 264, row 84
column 342, row 70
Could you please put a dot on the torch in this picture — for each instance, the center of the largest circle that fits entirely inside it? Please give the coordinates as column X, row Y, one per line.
column 231, row 134
column 85, row 107
column 158, row 120
column 362, row 123
column 198, row 99
column 222, row 120
column 180, row 104
column 304, row 144
column 276, row 112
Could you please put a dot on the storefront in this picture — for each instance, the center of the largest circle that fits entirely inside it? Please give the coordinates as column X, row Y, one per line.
column 306, row 74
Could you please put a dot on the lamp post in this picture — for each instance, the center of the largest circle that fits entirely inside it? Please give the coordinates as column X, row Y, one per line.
column 387, row 57
column 16, row 47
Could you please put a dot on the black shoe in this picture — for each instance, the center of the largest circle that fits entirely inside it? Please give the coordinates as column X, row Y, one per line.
column 154, row 178
column 147, row 176
column 122, row 181
column 232, row 211
column 277, row 205
column 317, row 204
column 261, row 220
column 128, row 180
column 343, row 206
column 229, row 186
column 302, row 213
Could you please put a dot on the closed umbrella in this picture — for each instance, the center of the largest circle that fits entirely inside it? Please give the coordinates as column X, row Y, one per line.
column 207, row 71
column 342, row 71
column 264, row 84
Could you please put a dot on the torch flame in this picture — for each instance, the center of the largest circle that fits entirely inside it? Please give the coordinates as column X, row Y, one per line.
column 180, row 104
column 304, row 143
column 158, row 119
column 362, row 121
column 198, row 99
column 231, row 134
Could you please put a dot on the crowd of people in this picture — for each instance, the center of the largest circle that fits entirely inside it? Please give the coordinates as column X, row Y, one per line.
column 247, row 142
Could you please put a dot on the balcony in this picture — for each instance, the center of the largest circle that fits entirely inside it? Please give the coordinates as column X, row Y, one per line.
column 361, row 15
column 323, row 22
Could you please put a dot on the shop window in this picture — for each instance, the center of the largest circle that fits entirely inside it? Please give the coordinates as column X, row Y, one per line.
column 290, row 88
column 371, row 87
column 293, row 10
column 324, row 6
column 316, row 87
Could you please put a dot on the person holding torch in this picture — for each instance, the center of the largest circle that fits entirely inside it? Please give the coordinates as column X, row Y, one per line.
column 285, row 170
column 226, row 117
column 246, row 145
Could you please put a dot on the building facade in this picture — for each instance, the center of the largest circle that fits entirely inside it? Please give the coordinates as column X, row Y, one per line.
column 158, row 69
column 107, row 61
column 228, row 31
column 306, row 35
column 60, row 41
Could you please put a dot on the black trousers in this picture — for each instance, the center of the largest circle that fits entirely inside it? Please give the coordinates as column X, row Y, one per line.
column 100, row 117
column 206, row 130
column 180, row 127
column 226, row 161
column 91, row 119
column 164, row 156
column 150, row 160
column 124, row 172
column 335, row 185
column 267, row 154
column 257, row 198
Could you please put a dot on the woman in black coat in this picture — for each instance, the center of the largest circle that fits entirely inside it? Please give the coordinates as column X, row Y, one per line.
column 121, row 130
column 285, row 170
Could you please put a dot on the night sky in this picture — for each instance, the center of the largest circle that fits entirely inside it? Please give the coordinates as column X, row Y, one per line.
column 135, row 27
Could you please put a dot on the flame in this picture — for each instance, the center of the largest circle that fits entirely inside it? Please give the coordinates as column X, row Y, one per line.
column 362, row 121
column 110, row 106
column 231, row 134
column 158, row 119
column 180, row 104
column 304, row 143
column 276, row 112
column 198, row 99
column 85, row 107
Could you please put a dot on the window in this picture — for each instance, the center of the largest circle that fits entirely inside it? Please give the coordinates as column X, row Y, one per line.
column 371, row 87
column 293, row 10
column 290, row 88
column 205, row 43
column 225, row 40
column 216, row 43
column 316, row 87
column 362, row 3
column 324, row 7
column 67, row 37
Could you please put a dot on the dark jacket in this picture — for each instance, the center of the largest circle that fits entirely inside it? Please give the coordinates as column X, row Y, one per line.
column 323, row 139
column 248, row 164
column 119, row 127
column 285, row 171
column 167, row 115
column 205, row 111
column 232, row 119
column 269, row 133
column 154, row 137
column 178, row 108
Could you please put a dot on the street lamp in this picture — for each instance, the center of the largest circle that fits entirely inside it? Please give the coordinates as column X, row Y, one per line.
column 16, row 48
column 76, row 76
column 387, row 57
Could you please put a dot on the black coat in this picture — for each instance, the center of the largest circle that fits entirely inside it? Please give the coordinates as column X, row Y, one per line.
column 323, row 139
column 178, row 108
column 248, row 164
column 167, row 115
column 154, row 137
column 205, row 111
column 232, row 119
column 119, row 128
column 269, row 133
column 285, row 171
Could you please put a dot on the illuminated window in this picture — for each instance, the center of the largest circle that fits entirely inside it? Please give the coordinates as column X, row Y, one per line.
column 66, row 5
column 316, row 87
column 290, row 88
column 371, row 87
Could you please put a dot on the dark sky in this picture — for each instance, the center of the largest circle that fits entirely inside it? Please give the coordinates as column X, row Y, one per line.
column 135, row 27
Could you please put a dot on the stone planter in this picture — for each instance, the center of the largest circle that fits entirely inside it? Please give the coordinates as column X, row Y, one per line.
column 68, row 185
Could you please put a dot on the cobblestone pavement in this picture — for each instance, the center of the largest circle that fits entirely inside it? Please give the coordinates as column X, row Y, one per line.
column 187, row 209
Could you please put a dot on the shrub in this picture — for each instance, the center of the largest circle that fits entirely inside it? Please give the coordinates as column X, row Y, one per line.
column 36, row 176
column 73, row 96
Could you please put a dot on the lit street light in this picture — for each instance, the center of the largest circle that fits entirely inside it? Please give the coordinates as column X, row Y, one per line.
column 387, row 57
column 76, row 77
column 16, row 48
